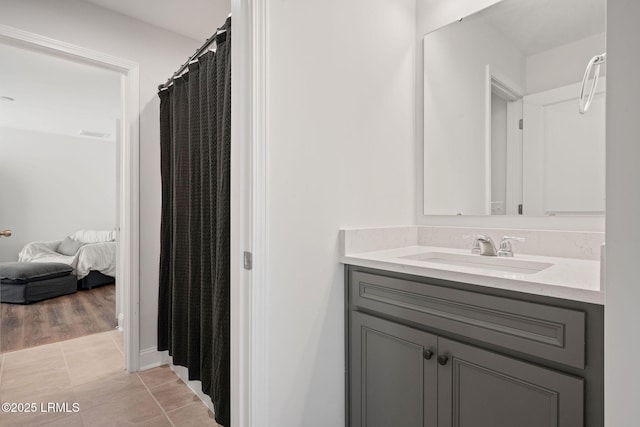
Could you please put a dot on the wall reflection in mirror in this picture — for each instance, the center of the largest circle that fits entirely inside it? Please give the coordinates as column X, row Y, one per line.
column 503, row 134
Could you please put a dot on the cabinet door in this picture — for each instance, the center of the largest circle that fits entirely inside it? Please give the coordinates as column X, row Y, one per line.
column 478, row 388
column 392, row 374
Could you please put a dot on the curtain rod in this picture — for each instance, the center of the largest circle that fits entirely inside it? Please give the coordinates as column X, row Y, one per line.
column 197, row 54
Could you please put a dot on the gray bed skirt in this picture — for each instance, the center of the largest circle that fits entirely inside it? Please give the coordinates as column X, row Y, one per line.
column 95, row 279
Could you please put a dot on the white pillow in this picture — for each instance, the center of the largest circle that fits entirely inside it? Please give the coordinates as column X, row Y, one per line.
column 94, row 236
column 69, row 246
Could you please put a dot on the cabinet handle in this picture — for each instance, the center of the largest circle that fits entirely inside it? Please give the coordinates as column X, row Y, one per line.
column 442, row 360
column 428, row 354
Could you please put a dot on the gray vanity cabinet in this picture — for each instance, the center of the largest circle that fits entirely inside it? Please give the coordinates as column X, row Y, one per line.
column 394, row 375
column 482, row 388
column 428, row 353
column 407, row 377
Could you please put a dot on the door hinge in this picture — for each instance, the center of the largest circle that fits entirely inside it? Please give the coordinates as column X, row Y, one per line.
column 248, row 260
column 520, row 209
column 521, row 124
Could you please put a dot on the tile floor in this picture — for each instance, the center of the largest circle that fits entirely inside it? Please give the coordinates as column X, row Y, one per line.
column 89, row 372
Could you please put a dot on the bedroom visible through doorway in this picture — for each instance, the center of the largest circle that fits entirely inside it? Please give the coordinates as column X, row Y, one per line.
column 60, row 169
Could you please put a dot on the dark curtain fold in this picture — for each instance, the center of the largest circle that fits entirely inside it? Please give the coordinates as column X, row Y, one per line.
column 195, row 160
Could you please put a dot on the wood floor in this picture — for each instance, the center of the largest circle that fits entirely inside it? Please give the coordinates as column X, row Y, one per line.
column 71, row 316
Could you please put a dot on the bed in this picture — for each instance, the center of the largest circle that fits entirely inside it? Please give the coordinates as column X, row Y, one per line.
column 91, row 254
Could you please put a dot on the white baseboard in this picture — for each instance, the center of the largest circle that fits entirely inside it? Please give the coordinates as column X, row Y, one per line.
column 120, row 319
column 152, row 358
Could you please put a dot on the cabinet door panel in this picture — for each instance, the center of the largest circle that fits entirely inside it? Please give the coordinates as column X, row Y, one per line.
column 391, row 384
column 478, row 388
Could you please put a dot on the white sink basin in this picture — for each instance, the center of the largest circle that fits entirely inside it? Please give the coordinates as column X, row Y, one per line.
column 509, row 265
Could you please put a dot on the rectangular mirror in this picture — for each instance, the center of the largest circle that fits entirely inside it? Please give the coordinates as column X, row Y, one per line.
column 503, row 134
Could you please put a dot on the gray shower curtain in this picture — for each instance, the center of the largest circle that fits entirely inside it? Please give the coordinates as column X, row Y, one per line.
column 195, row 148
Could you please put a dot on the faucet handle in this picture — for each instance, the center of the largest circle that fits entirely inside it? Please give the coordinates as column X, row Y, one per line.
column 505, row 245
column 475, row 247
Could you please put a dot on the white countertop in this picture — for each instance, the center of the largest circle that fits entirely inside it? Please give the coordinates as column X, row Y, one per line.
column 568, row 278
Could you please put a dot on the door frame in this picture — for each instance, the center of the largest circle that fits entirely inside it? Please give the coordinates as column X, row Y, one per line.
column 506, row 89
column 128, row 217
column 249, row 195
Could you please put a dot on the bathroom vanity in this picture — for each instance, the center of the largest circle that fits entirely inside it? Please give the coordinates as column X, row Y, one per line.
column 479, row 350
column 441, row 330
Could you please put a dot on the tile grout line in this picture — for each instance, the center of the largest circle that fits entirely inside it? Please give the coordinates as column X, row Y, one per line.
column 189, row 404
column 172, row 366
column 180, row 407
column 163, row 383
column 71, row 385
column 1, row 369
column 115, row 342
column 155, row 400
column 64, row 356
column 66, row 364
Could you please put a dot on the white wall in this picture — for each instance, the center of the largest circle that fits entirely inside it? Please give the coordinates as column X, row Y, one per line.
column 563, row 65
column 65, row 95
column 159, row 53
column 622, row 341
column 53, row 185
column 431, row 15
column 340, row 147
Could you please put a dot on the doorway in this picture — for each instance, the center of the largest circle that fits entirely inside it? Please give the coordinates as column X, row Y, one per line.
column 127, row 161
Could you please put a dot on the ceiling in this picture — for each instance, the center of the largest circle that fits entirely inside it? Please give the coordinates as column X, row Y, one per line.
column 197, row 19
column 538, row 25
column 67, row 98
column 70, row 96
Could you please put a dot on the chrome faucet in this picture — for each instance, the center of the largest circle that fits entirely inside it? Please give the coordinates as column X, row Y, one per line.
column 483, row 245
